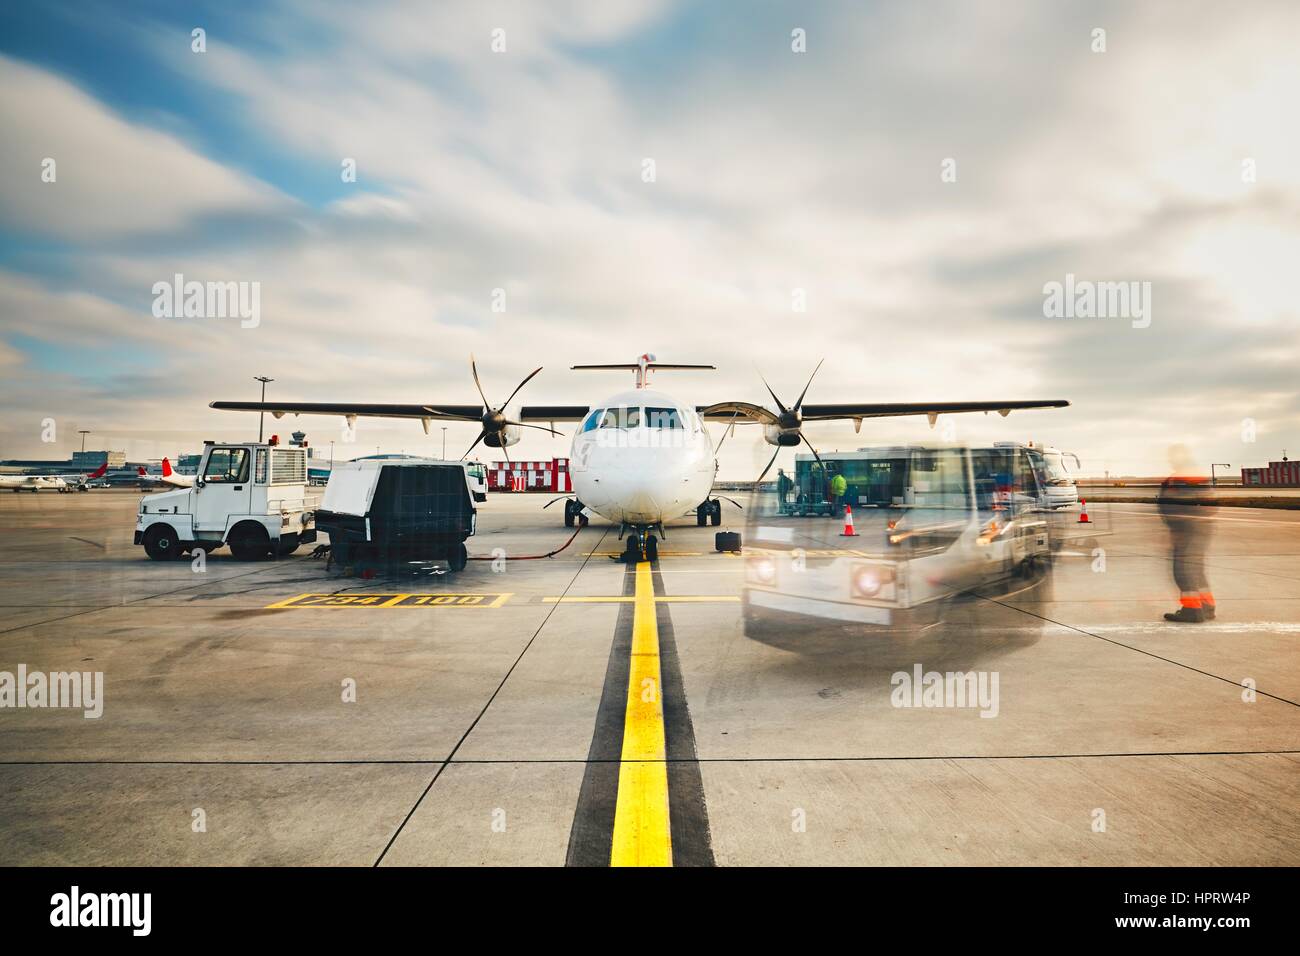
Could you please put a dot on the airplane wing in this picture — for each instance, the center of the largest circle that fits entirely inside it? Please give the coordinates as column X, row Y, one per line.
column 726, row 411
column 553, row 413
column 356, row 409
column 472, row 413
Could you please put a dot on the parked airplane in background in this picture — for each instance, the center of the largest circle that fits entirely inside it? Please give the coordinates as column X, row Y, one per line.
column 59, row 483
column 640, row 457
column 170, row 477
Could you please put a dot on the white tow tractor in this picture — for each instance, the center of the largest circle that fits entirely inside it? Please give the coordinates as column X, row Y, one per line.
column 251, row 496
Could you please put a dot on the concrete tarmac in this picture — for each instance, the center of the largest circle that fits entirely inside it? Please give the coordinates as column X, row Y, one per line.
column 492, row 724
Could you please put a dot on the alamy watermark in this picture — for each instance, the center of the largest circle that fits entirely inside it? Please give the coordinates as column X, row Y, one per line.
column 76, row 690
column 180, row 299
column 921, row 688
column 1084, row 299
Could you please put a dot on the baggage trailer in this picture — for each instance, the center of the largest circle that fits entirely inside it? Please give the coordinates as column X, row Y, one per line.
column 386, row 512
column 252, row 496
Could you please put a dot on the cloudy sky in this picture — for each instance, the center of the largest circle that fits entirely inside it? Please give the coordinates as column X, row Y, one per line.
column 1172, row 157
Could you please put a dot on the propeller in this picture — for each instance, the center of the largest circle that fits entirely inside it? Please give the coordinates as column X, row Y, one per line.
column 790, row 421
column 493, row 421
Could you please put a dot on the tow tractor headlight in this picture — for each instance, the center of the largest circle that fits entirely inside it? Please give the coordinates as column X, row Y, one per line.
column 868, row 580
column 760, row 569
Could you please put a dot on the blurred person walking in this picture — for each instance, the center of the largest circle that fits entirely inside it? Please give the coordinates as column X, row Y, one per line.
column 1190, row 528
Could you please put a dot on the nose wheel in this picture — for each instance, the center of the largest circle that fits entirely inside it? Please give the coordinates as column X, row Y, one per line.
column 639, row 546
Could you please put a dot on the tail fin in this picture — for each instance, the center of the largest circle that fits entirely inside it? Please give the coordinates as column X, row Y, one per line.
column 140, row 471
column 99, row 472
column 167, row 468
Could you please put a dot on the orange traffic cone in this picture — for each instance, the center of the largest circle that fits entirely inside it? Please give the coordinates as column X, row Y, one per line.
column 1083, row 512
column 848, row 531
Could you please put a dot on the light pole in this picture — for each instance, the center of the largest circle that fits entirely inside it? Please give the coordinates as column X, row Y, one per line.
column 444, row 442
column 1213, row 479
column 331, row 457
column 261, row 416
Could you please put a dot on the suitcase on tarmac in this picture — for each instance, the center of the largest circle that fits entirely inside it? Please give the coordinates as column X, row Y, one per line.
column 727, row 541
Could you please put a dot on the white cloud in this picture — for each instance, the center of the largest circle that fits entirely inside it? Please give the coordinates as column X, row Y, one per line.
column 113, row 177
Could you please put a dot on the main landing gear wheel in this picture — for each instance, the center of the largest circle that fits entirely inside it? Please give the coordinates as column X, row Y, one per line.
column 715, row 516
column 632, row 548
column 651, row 548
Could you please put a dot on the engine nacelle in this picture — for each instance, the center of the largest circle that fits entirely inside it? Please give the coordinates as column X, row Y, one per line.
column 506, row 437
column 785, row 437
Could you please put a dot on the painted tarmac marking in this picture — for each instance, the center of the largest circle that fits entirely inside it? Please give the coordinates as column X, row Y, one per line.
column 625, row 599
column 641, row 832
column 494, row 600
column 641, row 802
column 1156, row 514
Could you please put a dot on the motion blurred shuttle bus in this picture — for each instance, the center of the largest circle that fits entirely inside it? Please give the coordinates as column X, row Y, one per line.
column 1055, row 481
column 932, row 524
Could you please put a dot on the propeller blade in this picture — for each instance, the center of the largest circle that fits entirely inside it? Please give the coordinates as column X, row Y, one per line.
column 763, row 474
column 726, row 433
column 799, row 403
column 450, row 417
column 539, row 427
column 481, row 436
column 779, row 406
column 518, row 387
column 474, row 368
column 814, row 451
column 506, row 452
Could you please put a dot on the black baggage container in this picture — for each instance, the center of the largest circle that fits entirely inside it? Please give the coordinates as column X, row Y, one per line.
column 407, row 512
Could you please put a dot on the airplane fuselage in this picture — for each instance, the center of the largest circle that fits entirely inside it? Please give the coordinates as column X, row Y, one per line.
column 642, row 458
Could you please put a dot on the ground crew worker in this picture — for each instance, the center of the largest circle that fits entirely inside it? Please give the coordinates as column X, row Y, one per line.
column 1189, row 537
column 838, row 487
column 783, row 486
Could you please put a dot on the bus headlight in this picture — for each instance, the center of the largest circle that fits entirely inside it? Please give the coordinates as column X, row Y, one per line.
column 760, row 569
column 869, row 580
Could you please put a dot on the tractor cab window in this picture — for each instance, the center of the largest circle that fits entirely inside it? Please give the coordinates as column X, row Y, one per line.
column 227, row 465
column 664, row 418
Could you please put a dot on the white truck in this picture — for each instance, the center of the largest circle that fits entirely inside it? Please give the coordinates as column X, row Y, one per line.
column 249, row 495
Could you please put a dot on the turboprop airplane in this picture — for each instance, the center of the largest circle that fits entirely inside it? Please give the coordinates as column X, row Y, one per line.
column 639, row 458
column 59, row 483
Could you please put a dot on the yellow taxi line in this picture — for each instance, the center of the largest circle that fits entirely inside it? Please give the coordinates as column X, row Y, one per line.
column 641, row 832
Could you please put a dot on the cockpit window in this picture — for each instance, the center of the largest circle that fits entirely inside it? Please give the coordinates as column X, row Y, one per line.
column 592, row 420
column 663, row 418
column 622, row 417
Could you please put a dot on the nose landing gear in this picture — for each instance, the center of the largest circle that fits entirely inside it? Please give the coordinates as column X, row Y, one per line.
column 640, row 546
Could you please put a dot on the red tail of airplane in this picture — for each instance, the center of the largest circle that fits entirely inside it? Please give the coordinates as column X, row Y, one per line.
column 141, row 472
column 98, row 472
column 167, row 468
